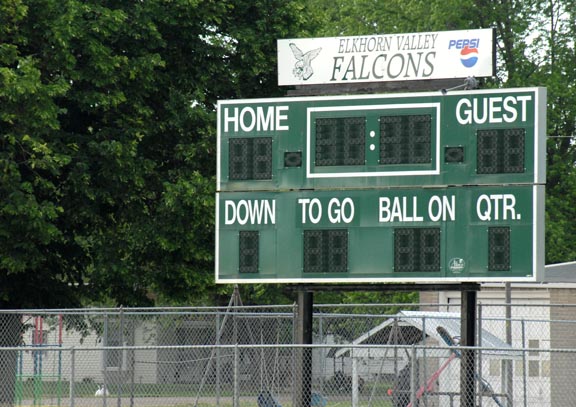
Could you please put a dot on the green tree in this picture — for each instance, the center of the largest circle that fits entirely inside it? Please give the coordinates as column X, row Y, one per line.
column 107, row 147
column 32, row 158
column 364, row 17
column 553, row 59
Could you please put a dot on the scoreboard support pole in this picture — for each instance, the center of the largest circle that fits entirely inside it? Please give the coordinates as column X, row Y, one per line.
column 303, row 360
column 468, row 339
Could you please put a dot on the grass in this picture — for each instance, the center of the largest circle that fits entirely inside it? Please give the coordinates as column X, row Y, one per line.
column 50, row 390
column 31, row 388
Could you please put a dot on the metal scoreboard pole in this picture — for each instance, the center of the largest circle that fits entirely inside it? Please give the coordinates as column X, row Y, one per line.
column 303, row 387
column 468, row 339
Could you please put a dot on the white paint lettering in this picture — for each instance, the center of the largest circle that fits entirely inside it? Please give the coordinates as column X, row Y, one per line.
column 463, row 114
column 280, row 118
column 442, row 208
column 493, row 109
column 508, row 204
column 271, row 118
column 253, row 212
column 312, row 209
column 475, row 109
column 483, row 207
column 496, row 207
column 265, row 118
column 229, row 213
column 247, row 126
column 340, row 211
column 384, row 209
column 399, row 210
column 230, row 118
column 511, row 113
column 524, row 101
column 396, row 210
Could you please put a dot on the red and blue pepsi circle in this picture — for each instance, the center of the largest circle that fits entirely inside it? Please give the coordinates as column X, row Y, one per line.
column 469, row 56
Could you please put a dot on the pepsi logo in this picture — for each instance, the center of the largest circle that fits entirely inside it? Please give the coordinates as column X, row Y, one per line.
column 469, row 56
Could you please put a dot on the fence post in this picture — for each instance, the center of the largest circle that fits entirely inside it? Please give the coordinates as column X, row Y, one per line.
column 524, row 364
column 263, row 383
column 236, row 401
column 424, row 357
column 121, row 366
column 218, row 367
column 413, row 377
column 132, row 363
column 323, row 358
column 72, row 374
column 354, row 389
column 105, row 362
column 479, row 345
column 395, row 339
column 294, row 350
column 509, row 379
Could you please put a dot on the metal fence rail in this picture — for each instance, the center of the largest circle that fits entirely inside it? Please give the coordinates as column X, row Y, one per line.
column 245, row 356
column 425, row 376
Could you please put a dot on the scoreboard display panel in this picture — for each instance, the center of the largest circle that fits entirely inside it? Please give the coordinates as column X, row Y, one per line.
column 413, row 234
column 460, row 138
column 400, row 187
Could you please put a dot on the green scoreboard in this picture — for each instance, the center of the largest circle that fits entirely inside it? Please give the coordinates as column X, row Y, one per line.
column 420, row 187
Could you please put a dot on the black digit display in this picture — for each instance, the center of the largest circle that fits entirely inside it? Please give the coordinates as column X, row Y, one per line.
column 325, row 251
column 406, row 139
column 249, row 249
column 499, row 248
column 340, row 141
column 416, row 249
column 250, row 158
column 500, row 151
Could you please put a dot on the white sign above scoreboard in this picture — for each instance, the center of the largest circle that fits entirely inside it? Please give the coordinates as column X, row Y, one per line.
column 386, row 57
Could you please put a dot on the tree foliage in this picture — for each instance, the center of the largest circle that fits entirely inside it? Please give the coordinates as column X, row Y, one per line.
column 107, row 141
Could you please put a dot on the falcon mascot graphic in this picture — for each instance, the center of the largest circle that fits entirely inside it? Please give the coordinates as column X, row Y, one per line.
column 303, row 67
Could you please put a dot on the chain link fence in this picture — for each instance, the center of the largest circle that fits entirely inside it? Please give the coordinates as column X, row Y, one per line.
column 362, row 355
